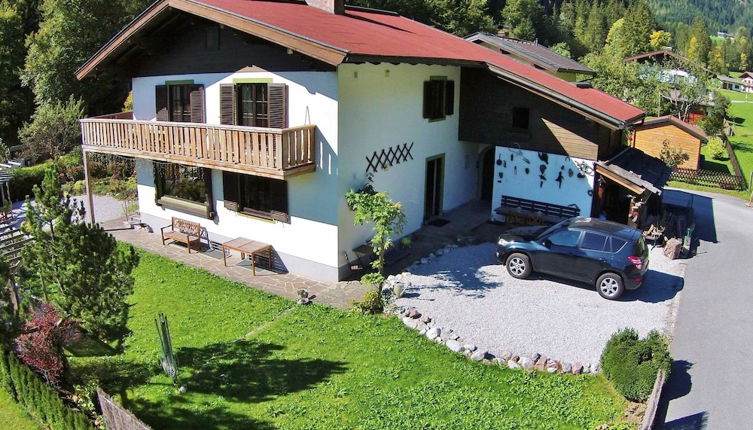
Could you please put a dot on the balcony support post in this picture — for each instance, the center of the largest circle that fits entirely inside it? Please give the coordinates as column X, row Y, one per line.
column 89, row 194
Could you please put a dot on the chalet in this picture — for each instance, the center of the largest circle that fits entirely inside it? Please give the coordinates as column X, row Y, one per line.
column 534, row 54
column 254, row 118
column 747, row 80
column 674, row 68
column 731, row 84
column 650, row 137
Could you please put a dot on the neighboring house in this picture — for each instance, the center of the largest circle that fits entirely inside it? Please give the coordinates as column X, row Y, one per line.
column 254, row 118
column 650, row 136
column 674, row 68
column 747, row 80
column 534, row 54
column 731, row 84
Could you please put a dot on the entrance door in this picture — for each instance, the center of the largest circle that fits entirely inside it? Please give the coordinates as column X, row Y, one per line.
column 487, row 174
column 433, row 190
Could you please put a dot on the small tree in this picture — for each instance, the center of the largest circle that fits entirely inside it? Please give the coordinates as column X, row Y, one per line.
column 387, row 216
column 42, row 342
column 717, row 149
column 78, row 267
column 672, row 156
column 53, row 129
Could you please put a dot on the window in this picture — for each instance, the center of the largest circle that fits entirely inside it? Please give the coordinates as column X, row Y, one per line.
column 568, row 238
column 593, row 241
column 439, row 98
column 520, row 118
column 256, row 195
column 252, row 105
column 179, row 102
column 617, row 244
column 182, row 182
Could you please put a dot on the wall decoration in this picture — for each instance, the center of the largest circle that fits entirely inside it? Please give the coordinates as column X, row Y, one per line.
column 560, row 178
column 528, row 170
column 499, row 160
column 543, row 156
column 543, row 178
column 542, row 168
column 515, row 170
column 389, row 157
column 570, row 173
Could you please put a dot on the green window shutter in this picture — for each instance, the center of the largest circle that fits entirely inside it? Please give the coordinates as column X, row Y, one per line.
column 449, row 97
column 228, row 115
column 230, row 184
column 160, row 98
column 278, row 105
column 197, row 103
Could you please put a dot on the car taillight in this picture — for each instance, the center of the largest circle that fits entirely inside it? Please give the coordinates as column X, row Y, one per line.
column 636, row 261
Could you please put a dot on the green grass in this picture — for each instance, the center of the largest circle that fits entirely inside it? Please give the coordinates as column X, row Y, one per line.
column 12, row 416
column 252, row 360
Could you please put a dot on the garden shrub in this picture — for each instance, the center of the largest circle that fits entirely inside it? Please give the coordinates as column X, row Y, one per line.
column 370, row 304
column 38, row 399
column 631, row 363
column 372, row 279
column 717, row 149
column 24, row 179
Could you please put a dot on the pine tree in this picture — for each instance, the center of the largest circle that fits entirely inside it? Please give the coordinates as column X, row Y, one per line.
column 699, row 45
column 596, row 29
column 78, row 267
column 523, row 16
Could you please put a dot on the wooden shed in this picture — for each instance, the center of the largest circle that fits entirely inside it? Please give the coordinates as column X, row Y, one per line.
column 650, row 136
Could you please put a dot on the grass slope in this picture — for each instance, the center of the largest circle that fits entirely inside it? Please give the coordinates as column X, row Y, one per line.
column 12, row 416
column 251, row 360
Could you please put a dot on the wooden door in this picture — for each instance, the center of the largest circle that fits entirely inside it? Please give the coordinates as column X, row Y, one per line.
column 433, row 187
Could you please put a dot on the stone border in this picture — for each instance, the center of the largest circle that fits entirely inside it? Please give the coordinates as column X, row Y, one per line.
column 426, row 326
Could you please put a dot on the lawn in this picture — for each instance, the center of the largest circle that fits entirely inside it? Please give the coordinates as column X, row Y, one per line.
column 12, row 416
column 252, row 360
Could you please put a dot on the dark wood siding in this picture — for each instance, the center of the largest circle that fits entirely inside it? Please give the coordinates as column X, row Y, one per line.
column 486, row 110
column 190, row 44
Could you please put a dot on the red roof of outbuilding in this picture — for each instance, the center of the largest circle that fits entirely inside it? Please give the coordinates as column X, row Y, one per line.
column 363, row 35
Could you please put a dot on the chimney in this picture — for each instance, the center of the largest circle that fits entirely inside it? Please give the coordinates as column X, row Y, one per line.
column 331, row 6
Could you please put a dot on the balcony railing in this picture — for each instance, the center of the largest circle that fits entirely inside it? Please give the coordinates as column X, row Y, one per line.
column 271, row 152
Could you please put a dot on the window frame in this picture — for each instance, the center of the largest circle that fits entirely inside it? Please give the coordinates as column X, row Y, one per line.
column 258, row 119
column 171, row 201
column 184, row 90
column 237, row 198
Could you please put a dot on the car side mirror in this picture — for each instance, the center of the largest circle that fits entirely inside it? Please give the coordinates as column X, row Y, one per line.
column 547, row 243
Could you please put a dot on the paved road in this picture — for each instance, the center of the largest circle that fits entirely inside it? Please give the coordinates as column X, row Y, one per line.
column 712, row 383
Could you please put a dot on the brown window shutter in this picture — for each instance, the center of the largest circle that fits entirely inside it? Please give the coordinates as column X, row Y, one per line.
column 449, row 97
column 197, row 103
column 209, row 192
column 278, row 105
column 427, row 99
column 227, row 105
column 230, row 183
column 160, row 99
column 279, row 200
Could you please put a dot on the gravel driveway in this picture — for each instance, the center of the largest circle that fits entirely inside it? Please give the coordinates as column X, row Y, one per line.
column 468, row 291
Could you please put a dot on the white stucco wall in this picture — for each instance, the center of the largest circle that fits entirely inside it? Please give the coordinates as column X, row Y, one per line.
column 312, row 232
column 381, row 106
column 512, row 179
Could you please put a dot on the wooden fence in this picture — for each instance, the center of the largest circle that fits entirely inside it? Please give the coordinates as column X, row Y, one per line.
column 708, row 178
column 118, row 417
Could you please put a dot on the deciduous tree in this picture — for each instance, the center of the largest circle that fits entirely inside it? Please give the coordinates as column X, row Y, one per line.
column 53, row 130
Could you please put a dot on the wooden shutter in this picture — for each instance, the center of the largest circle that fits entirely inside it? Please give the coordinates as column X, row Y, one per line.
column 279, row 200
column 427, row 99
column 209, row 193
column 277, row 95
column 158, row 182
column 449, row 97
column 230, row 184
column 228, row 114
column 197, row 103
column 160, row 99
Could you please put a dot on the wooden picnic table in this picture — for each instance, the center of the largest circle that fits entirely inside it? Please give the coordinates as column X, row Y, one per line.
column 247, row 246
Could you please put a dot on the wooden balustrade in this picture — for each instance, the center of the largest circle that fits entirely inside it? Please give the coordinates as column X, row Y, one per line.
column 271, row 152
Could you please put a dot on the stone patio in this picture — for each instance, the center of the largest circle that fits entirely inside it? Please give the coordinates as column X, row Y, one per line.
column 340, row 295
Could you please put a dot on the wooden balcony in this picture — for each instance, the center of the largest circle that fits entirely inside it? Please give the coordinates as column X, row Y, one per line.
column 270, row 152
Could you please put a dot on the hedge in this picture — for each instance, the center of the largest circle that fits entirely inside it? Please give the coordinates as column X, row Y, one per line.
column 38, row 399
column 24, row 179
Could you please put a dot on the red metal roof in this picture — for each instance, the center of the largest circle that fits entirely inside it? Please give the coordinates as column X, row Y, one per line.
column 370, row 33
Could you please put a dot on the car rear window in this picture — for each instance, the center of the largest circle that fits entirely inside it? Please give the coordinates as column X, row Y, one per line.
column 593, row 241
column 640, row 247
column 617, row 244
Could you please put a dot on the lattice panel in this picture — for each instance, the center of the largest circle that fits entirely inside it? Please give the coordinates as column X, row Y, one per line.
column 389, row 157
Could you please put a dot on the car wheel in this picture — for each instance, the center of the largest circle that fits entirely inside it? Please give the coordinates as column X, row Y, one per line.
column 518, row 265
column 610, row 286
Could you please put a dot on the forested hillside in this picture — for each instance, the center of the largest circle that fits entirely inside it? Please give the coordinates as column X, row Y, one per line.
column 720, row 15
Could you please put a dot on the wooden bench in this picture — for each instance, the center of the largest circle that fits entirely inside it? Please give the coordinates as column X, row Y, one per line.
column 535, row 210
column 183, row 231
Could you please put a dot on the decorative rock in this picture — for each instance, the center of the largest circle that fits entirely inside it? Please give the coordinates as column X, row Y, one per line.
column 467, row 353
column 552, row 366
column 540, row 363
column 486, row 361
column 426, row 319
column 512, row 364
column 433, row 333
column 422, row 331
column 410, row 322
column 421, row 326
column 566, row 367
column 454, row 336
column 478, row 355
column 577, row 368
column 501, row 362
column 535, row 357
column 586, row 369
column 414, row 313
column 454, row 345
column 595, row 368
column 526, row 363
column 505, row 355
column 470, row 347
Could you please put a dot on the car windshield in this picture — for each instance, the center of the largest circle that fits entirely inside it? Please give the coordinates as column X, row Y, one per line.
column 551, row 229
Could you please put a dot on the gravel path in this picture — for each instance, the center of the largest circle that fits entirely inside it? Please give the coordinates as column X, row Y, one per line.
column 106, row 208
column 468, row 291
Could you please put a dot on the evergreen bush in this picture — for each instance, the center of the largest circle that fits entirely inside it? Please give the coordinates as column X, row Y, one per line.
column 631, row 363
column 370, row 304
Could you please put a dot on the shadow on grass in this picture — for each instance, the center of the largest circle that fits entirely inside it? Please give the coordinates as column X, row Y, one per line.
column 739, row 146
column 179, row 413
column 716, row 166
column 245, row 371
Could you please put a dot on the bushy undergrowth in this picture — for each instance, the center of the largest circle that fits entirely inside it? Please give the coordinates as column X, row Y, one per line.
column 632, row 363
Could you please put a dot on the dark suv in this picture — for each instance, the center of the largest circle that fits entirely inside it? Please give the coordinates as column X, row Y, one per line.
column 611, row 256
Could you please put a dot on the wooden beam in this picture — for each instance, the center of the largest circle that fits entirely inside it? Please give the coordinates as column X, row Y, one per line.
column 619, row 180
column 89, row 194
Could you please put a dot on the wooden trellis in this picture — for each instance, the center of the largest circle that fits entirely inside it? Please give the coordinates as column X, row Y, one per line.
column 389, row 157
